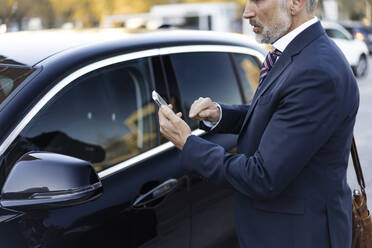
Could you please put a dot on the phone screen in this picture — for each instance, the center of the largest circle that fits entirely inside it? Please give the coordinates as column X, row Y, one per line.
column 158, row 99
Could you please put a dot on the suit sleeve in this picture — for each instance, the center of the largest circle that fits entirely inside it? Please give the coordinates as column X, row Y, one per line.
column 232, row 119
column 304, row 120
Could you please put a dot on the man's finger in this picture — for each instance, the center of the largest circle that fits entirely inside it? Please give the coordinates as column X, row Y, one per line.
column 162, row 118
column 205, row 113
column 168, row 113
column 197, row 107
column 201, row 105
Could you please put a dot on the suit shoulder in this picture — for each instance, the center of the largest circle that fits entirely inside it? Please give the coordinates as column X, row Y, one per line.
column 324, row 55
column 322, row 65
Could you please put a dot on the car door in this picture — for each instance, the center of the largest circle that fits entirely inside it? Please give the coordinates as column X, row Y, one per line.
column 210, row 74
column 106, row 116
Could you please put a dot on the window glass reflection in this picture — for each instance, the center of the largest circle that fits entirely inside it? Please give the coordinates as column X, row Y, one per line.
column 249, row 72
column 10, row 78
column 104, row 117
column 205, row 75
column 336, row 34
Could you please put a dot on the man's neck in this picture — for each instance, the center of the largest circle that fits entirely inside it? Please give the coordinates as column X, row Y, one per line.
column 284, row 41
column 298, row 21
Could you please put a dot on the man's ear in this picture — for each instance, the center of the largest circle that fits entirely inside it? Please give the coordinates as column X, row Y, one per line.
column 296, row 6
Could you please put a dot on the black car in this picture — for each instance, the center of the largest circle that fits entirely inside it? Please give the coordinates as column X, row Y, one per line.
column 82, row 162
column 360, row 31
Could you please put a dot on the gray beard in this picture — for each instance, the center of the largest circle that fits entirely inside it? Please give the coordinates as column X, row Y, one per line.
column 278, row 29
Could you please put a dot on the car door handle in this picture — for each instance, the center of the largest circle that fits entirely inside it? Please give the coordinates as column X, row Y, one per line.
column 156, row 193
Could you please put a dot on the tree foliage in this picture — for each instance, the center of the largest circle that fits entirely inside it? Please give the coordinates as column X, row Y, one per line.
column 353, row 9
column 89, row 13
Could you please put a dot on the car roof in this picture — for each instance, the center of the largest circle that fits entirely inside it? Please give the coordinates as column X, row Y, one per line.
column 352, row 24
column 335, row 25
column 31, row 48
column 330, row 24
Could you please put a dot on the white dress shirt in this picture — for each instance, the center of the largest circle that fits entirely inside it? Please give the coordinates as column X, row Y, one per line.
column 281, row 45
column 284, row 41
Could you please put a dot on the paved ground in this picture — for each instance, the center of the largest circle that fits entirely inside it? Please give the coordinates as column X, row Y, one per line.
column 363, row 134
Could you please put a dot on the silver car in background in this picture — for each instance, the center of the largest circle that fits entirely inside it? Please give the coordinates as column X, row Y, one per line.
column 355, row 51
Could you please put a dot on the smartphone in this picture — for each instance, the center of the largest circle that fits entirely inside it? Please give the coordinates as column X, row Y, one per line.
column 158, row 99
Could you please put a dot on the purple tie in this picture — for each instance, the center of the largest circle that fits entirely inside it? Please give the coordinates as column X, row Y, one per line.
column 268, row 64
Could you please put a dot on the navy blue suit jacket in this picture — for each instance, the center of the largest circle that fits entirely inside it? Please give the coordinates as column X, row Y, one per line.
column 293, row 149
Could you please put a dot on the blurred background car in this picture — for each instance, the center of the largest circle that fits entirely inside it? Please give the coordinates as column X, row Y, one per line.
column 355, row 50
column 359, row 31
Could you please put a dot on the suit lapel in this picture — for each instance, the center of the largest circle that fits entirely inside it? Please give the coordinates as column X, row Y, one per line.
column 293, row 49
column 274, row 73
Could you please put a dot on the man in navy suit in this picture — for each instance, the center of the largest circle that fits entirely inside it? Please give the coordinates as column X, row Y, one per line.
column 294, row 138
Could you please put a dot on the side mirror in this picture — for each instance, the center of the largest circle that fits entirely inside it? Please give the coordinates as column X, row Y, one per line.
column 43, row 179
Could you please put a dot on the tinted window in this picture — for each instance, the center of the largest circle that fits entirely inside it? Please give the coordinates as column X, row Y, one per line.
column 349, row 29
column 105, row 117
column 336, row 34
column 10, row 78
column 249, row 73
column 206, row 75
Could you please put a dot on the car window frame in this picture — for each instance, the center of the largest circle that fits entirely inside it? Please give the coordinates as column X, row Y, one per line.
column 61, row 84
column 176, row 80
column 241, row 50
column 98, row 83
column 28, row 79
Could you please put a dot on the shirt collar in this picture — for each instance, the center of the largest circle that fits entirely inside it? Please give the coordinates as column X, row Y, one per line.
column 283, row 42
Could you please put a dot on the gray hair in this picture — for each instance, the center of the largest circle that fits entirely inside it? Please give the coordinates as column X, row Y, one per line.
column 310, row 5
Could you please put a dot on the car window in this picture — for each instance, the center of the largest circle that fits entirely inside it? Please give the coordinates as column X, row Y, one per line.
column 249, row 73
column 10, row 78
column 336, row 34
column 349, row 29
column 205, row 74
column 104, row 117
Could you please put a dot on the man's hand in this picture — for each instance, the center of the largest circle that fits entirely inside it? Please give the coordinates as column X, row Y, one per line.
column 173, row 127
column 204, row 109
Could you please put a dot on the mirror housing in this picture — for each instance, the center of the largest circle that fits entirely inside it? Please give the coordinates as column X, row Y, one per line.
column 44, row 179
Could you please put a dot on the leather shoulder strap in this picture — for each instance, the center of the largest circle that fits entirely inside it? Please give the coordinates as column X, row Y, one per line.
column 357, row 167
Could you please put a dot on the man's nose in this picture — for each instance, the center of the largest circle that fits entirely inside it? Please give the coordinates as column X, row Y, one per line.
column 249, row 10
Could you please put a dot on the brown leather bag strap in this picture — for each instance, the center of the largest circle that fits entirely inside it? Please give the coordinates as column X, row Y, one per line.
column 357, row 167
